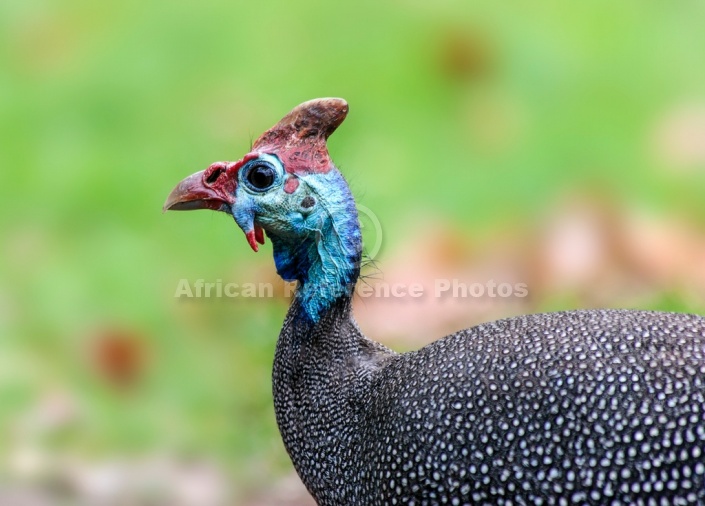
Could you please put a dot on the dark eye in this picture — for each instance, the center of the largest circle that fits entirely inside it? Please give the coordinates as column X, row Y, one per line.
column 261, row 177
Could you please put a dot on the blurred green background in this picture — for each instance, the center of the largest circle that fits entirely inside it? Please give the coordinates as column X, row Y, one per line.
column 470, row 123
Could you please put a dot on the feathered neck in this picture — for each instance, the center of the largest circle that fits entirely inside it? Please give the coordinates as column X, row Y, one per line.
column 324, row 255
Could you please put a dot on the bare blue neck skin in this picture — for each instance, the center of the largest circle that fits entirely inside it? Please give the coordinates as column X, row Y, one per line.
column 322, row 247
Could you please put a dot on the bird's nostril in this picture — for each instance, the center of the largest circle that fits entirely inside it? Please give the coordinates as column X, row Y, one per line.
column 213, row 176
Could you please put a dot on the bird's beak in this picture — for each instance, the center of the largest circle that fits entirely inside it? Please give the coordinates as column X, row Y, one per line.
column 207, row 190
column 195, row 193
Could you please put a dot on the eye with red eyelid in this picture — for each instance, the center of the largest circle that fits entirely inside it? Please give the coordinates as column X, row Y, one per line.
column 260, row 176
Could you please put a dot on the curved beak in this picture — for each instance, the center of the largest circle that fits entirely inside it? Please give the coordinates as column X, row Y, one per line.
column 194, row 193
column 206, row 190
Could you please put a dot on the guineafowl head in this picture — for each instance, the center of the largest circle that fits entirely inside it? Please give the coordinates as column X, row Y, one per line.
column 288, row 187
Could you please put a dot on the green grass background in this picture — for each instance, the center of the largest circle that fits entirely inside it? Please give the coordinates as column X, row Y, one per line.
column 478, row 113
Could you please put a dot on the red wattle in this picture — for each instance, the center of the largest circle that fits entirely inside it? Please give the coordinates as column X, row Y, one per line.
column 250, row 234
column 259, row 234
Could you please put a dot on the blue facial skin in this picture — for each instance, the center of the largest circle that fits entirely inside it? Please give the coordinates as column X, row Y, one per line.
column 314, row 231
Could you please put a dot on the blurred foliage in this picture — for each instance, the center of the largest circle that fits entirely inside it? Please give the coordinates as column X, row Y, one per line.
column 477, row 114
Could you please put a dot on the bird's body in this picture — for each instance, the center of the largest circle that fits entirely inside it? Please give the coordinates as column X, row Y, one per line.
column 559, row 408
column 581, row 407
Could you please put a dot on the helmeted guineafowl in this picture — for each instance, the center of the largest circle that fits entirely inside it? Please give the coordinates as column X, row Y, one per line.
column 578, row 407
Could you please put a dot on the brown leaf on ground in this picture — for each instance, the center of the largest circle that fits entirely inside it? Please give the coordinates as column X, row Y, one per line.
column 591, row 251
column 119, row 356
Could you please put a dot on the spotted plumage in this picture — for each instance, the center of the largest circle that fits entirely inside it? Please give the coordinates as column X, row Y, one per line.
column 579, row 407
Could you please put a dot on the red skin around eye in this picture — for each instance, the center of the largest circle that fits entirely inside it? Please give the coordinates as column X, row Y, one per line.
column 291, row 184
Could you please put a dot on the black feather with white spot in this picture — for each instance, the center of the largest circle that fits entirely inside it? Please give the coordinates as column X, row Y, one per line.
column 582, row 407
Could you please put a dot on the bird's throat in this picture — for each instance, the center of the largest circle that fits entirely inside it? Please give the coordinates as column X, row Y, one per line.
column 325, row 256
